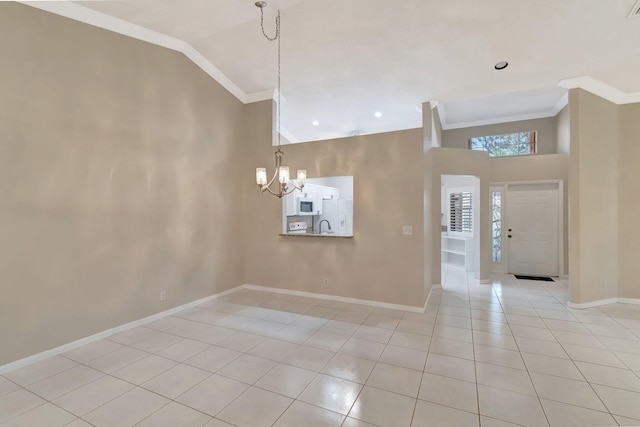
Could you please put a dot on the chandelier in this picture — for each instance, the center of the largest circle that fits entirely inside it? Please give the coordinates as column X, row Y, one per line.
column 284, row 186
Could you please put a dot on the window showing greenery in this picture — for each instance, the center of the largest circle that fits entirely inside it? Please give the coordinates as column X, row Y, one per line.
column 496, row 226
column 511, row 144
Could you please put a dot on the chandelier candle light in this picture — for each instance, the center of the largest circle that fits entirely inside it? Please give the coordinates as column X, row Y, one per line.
column 281, row 172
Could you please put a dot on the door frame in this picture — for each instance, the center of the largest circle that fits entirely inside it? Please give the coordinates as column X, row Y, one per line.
column 505, row 188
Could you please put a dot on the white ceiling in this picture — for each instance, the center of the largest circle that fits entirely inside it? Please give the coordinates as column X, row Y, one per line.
column 343, row 60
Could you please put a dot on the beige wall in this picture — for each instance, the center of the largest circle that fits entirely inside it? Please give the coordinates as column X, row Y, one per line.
column 125, row 170
column 628, row 200
column 379, row 263
column 546, row 128
column 593, row 185
column 117, row 171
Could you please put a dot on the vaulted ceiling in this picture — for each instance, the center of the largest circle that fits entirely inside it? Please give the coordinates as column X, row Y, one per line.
column 344, row 60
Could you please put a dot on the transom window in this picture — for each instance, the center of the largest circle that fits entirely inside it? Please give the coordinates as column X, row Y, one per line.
column 511, row 144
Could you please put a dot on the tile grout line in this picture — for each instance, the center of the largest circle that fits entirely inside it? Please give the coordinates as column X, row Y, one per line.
column 267, row 336
column 524, row 363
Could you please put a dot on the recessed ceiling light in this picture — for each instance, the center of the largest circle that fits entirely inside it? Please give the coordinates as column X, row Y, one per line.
column 378, row 114
column 501, row 65
column 315, row 123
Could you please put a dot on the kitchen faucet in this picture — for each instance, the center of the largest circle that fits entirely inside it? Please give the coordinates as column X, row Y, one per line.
column 320, row 225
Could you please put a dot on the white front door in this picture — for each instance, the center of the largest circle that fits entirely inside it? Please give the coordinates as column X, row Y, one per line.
column 532, row 229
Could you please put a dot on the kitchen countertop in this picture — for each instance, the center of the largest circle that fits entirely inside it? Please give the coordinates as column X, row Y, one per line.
column 332, row 236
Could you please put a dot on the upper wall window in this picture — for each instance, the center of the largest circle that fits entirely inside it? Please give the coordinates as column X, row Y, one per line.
column 511, row 144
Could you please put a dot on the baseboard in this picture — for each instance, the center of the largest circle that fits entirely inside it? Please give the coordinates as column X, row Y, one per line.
column 349, row 300
column 426, row 303
column 21, row 363
column 603, row 302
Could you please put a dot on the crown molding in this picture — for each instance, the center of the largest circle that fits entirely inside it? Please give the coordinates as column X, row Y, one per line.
column 558, row 106
column 601, row 89
column 261, row 96
column 587, row 83
column 102, row 20
column 497, row 120
column 562, row 102
column 291, row 138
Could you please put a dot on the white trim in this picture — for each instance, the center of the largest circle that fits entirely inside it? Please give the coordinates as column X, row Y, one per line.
column 601, row 89
column 291, row 138
column 426, row 302
column 442, row 113
column 102, row 20
column 337, row 298
column 600, row 302
column 561, row 271
column 29, row 360
column 628, row 300
column 260, row 96
column 587, row 83
column 562, row 102
column 100, row 335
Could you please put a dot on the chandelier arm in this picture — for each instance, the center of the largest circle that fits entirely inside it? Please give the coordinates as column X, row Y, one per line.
column 283, row 191
column 270, row 191
column 295, row 187
column 278, row 155
column 273, row 178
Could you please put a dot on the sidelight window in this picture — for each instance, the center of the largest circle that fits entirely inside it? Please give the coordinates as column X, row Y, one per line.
column 496, row 226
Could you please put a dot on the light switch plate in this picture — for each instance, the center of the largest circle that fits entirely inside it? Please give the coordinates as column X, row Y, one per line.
column 407, row 229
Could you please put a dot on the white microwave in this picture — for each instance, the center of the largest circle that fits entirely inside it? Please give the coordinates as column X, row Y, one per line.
column 308, row 206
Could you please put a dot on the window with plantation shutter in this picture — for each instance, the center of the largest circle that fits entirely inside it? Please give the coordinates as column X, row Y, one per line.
column 460, row 212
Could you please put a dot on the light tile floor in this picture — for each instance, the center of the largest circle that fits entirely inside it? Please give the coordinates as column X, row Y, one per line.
column 500, row 354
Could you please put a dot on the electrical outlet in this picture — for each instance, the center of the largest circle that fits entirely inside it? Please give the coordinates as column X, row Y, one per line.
column 407, row 230
column 163, row 295
column 326, row 282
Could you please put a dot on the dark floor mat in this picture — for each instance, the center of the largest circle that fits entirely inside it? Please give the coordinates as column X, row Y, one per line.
column 541, row 278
